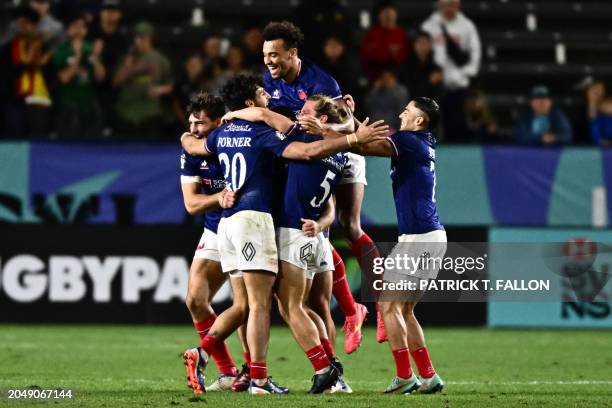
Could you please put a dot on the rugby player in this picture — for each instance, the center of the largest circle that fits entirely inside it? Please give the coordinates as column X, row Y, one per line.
column 203, row 188
column 305, row 216
column 412, row 153
column 290, row 81
column 247, row 152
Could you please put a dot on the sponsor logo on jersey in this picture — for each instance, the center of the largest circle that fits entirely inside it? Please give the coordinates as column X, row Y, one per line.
column 204, row 165
column 232, row 127
column 281, row 135
column 276, row 94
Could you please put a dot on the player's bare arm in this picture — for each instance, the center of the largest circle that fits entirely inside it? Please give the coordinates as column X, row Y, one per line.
column 255, row 114
column 323, row 148
column 311, row 227
column 194, row 146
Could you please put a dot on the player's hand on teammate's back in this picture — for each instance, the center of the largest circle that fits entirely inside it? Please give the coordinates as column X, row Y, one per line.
column 227, row 198
column 368, row 133
column 310, row 227
column 228, row 117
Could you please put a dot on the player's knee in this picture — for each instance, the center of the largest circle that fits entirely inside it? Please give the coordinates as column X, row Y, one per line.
column 388, row 308
column 196, row 304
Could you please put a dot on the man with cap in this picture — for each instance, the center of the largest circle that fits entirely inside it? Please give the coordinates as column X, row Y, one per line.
column 543, row 123
column 143, row 77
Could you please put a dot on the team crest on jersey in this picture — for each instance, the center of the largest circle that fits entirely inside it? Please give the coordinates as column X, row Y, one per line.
column 276, row 94
column 281, row 135
column 302, row 95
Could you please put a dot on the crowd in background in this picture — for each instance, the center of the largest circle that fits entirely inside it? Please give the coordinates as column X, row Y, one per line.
column 90, row 75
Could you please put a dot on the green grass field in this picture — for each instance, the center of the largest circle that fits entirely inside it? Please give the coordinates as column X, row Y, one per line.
column 141, row 366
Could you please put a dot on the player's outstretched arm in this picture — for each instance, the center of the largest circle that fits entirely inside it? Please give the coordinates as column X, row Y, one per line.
column 376, row 148
column 255, row 114
column 323, row 148
column 193, row 145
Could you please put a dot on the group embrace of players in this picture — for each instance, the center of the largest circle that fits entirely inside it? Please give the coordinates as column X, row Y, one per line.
column 263, row 175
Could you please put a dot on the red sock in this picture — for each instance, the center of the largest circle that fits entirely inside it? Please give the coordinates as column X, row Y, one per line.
column 204, row 326
column 259, row 371
column 219, row 352
column 318, row 358
column 340, row 288
column 223, row 360
column 247, row 358
column 423, row 363
column 365, row 251
column 329, row 349
column 402, row 363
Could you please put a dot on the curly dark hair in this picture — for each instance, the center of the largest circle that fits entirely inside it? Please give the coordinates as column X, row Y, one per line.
column 239, row 89
column 211, row 104
column 285, row 30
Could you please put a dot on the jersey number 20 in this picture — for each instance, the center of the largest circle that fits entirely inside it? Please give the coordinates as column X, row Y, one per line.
column 326, row 189
column 237, row 169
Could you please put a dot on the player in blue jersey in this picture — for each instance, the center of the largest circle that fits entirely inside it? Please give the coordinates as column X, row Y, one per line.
column 412, row 152
column 247, row 152
column 306, row 264
column 203, row 188
column 290, row 81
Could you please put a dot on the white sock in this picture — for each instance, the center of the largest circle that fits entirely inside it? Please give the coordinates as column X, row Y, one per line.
column 323, row 370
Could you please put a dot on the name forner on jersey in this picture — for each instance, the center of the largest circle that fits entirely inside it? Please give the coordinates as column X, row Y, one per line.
column 248, row 153
column 413, row 177
column 311, row 80
column 309, row 185
column 208, row 173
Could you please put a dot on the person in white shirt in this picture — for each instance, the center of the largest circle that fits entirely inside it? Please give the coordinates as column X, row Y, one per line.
column 457, row 49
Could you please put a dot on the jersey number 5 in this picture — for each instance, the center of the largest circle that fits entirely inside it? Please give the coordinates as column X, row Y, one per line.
column 326, row 189
column 237, row 169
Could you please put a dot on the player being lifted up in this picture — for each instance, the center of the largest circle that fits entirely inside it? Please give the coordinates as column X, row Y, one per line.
column 413, row 177
column 247, row 152
column 290, row 81
column 306, row 264
column 203, row 189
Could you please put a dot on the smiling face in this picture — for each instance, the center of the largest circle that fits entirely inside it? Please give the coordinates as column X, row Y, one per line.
column 412, row 118
column 201, row 125
column 278, row 60
column 262, row 98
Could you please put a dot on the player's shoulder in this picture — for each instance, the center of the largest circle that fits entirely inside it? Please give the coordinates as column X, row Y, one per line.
column 312, row 70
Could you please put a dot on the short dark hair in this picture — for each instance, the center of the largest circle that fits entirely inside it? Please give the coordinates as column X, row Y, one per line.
column 239, row 89
column 28, row 13
column 211, row 104
column 431, row 109
column 285, row 30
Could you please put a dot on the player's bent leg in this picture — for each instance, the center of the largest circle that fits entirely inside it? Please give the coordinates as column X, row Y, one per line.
column 291, row 290
column 404, row 382
column 319, row 298
column 430, row 380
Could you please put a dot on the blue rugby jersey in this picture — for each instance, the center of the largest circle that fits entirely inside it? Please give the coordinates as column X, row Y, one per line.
column 413, row 179
column 309, row 185
column 248, row 154
column 209, row 174
column 311, row 80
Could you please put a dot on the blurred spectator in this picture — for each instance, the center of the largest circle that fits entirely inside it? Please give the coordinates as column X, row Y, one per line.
column 318, row 20
column 337, row 62
column 214, row 64
column 51, row 29
column 78, row 66
column 143, row 78
column 386, row 98
column 481, row 124
column 25, row 94
column 457, row 50
column 114, row 41
column 385, row 44
column 601, row 124
column 595, row 94
column 234, row 64
column 252, row 42
column 422, row 75
column 190, row 83
column 543, row 123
